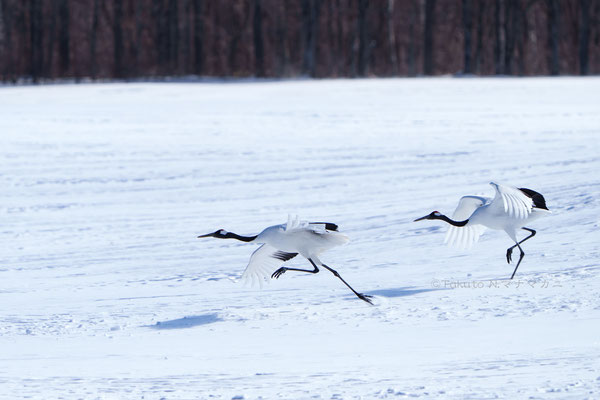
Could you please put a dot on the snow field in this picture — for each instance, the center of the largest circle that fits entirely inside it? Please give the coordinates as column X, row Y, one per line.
column 106, row 293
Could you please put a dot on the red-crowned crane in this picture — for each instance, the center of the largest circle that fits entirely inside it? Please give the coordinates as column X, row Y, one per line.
column 284, row 242
column 512, row 208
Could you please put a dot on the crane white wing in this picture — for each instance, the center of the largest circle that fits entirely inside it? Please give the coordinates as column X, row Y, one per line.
column 263, row 262
column 515, row 202
column 294, row 223
column 463, row 237
column 467, row 206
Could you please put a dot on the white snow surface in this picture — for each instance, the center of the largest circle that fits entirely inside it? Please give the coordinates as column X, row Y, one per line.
column 105, row 291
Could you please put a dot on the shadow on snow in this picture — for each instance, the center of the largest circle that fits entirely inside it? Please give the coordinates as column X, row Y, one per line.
column 399, row 292
column 187, row 322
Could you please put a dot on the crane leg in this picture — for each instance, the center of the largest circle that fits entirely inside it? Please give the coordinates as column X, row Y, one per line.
column 282, row 270
column 510, row 249
column 361, row 296
column 520, row 258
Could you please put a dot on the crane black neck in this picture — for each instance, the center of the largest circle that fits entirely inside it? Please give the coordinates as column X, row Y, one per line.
column 231, row 235
column 452, row 222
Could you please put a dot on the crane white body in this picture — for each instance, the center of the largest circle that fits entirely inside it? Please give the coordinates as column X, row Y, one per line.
column 294, row 237
column 307, row 239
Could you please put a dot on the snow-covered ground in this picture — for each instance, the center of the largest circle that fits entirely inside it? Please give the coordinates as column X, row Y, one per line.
column 105, row 291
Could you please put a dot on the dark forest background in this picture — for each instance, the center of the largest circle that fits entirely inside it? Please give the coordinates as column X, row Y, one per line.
column 128, row 39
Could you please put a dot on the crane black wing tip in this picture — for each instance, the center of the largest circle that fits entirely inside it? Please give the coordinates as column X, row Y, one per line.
column 330, row 226
column 283, row 256
column 538, row 199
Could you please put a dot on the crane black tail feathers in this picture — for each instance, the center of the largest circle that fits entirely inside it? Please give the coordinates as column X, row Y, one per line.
column 538, row 199
column 328, row 225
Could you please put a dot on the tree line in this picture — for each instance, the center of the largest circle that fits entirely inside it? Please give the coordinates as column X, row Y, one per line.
column 128, row 39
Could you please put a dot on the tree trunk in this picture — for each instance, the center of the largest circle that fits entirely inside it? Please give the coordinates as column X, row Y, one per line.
column 428, row 42
column 498, row 64
column 479, row 48
column 237, row 29
column 333, row 55
column 553, row 35
column 5, row 44
column 283, row 58
column 510, row 28
column 198, row 34
column 63, row 36
column 185, row 43
column 36, row 28
column 93, row 36
column 259, row 57
column 597, row 14
column 340, row 43
column 2, row 29
column 137, row 45
column 521, row 31
column 118, row 48
column 161, row 38
column 363, row 39
column 173, row 36
column 467, row 19
column 412, row 39
column 281, row 42
column 50, row 37
column 392, row 37
column 584, row 36
column 310, row 17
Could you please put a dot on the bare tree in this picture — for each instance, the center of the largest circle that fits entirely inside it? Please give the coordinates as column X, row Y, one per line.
column 467, row 19
column 414, row 17
column 498, row 63
column 93, row 39
column 198, row 36
column 479, row 46
column 240, row 19
column 5, row 42
column 173, row 36
column 118, row 47
column 392, row 37
column 161, row 43
column 553, row 35
column 281, row 52
column 597, row 18
column 2, row 26
column 363, row 41
column 428, row 37
column 259, row 57
column 521, row 32
column 36, row 39
column 63, row 36
column 137, row 47
column 3, row 38
column 310, row 18
column 509, row 34
column 126, row 38
column 340, row 43
column 50, row 37
column 185, row 28
column 584, row 36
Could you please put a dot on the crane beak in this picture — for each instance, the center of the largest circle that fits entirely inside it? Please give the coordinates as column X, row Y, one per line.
column 207, row 235
column 420, row 219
